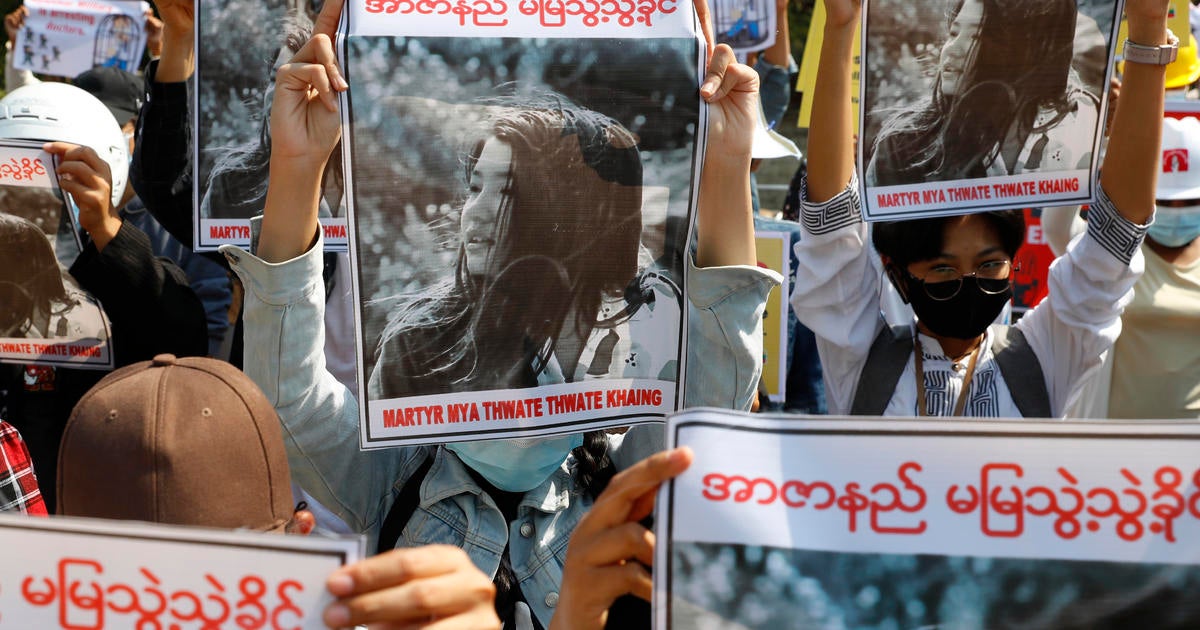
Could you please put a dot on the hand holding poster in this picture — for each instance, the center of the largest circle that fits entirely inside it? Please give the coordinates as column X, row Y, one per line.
column 68, row 37
column 785, row 522
column 995, row 108
column 45, row 318
column 518, row 229
column 80, row 573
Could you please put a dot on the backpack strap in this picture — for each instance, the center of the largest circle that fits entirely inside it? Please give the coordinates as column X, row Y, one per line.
column 1022, row 371
column 403, row 507
column 881, row 373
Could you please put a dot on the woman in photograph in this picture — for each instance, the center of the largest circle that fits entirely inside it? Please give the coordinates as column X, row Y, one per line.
column 1005, row 100
column 35, row 303
column 956, row 271
column 548, row 281
column 510, row 504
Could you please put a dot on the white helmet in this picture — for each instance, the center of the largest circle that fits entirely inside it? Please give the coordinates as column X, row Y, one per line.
column 59, row 112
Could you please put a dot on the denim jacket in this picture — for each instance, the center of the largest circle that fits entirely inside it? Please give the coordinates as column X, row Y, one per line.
column 284, row 338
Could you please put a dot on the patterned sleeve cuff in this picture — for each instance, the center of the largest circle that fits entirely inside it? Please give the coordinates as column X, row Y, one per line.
column 1116, row 234
column 843, row 210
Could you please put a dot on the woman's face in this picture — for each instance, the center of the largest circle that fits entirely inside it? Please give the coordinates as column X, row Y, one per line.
column 488, row 189
column 958, row 53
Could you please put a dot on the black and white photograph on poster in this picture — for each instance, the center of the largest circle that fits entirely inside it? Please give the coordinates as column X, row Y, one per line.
column 518, row 230
column 973, row 105
column 883, row 523
column 239, row 45
column 45, row 317
column 746, row 25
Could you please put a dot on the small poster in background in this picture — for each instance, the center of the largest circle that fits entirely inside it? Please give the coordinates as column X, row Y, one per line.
column 72, row 573
column 877, row 522
column 746, row 25
column 66, row 38
column 45, row 317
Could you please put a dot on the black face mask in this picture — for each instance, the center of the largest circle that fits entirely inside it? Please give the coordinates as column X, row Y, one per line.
column 964, row 316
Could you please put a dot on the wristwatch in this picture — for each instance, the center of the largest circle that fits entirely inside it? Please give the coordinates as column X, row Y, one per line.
column 1153, row 55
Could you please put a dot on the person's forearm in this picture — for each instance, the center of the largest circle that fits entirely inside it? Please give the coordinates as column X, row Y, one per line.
column 178, row 60
column 780, row 53
column 725, row 222
column 830, row 136
column 290, row 217
column 1130, row 171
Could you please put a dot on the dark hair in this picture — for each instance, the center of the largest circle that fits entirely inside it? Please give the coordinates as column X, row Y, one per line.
column 29, row 273
column 1021, row 64
column 906, row 242
column 568, row 237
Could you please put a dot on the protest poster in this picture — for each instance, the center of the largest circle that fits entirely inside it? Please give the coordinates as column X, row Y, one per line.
column 956, row 120
column 66, row 38
column 74, row 573
column 746, row 25
column 45, row 317
column 869, row 522
column 773, row 249
column 239, row 45
column 521, row 178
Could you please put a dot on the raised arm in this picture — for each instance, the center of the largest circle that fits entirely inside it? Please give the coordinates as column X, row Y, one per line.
column 1130, row 171
column 725, row 224
column 831, row 133
column 305, row 127
column 161, row 171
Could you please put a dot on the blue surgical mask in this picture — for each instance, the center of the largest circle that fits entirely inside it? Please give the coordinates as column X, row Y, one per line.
column 1175, row 227
column 517, row 465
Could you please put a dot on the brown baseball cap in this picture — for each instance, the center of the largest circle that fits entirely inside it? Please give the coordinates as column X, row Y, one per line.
column 189, row 441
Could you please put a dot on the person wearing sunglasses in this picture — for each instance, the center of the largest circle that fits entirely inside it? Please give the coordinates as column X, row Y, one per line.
column 956, row 271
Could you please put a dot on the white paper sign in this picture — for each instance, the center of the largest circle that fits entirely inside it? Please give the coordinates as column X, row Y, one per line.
column 93, row 574
column 69, row 37
column 1100, row 500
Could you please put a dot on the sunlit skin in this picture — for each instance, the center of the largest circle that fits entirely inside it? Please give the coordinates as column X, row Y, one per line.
column 967, row 242
column 958, row 53
column 487, row 190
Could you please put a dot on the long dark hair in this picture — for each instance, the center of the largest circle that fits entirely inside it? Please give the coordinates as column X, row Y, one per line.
column 30, row 276
column 567, row 238
column 1021, row 64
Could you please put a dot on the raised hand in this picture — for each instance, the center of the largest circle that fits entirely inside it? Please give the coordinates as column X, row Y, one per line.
column 423, row 587
column 608, row 548
column 14, row 21
column 178, row 40
column 305, row 128
column 88, row 179
column 725, row 224
column 731, row 90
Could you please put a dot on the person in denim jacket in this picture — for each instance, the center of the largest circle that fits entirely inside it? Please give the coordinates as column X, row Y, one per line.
column 518, row 534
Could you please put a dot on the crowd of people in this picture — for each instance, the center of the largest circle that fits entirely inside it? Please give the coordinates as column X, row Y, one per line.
column 242, row 353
